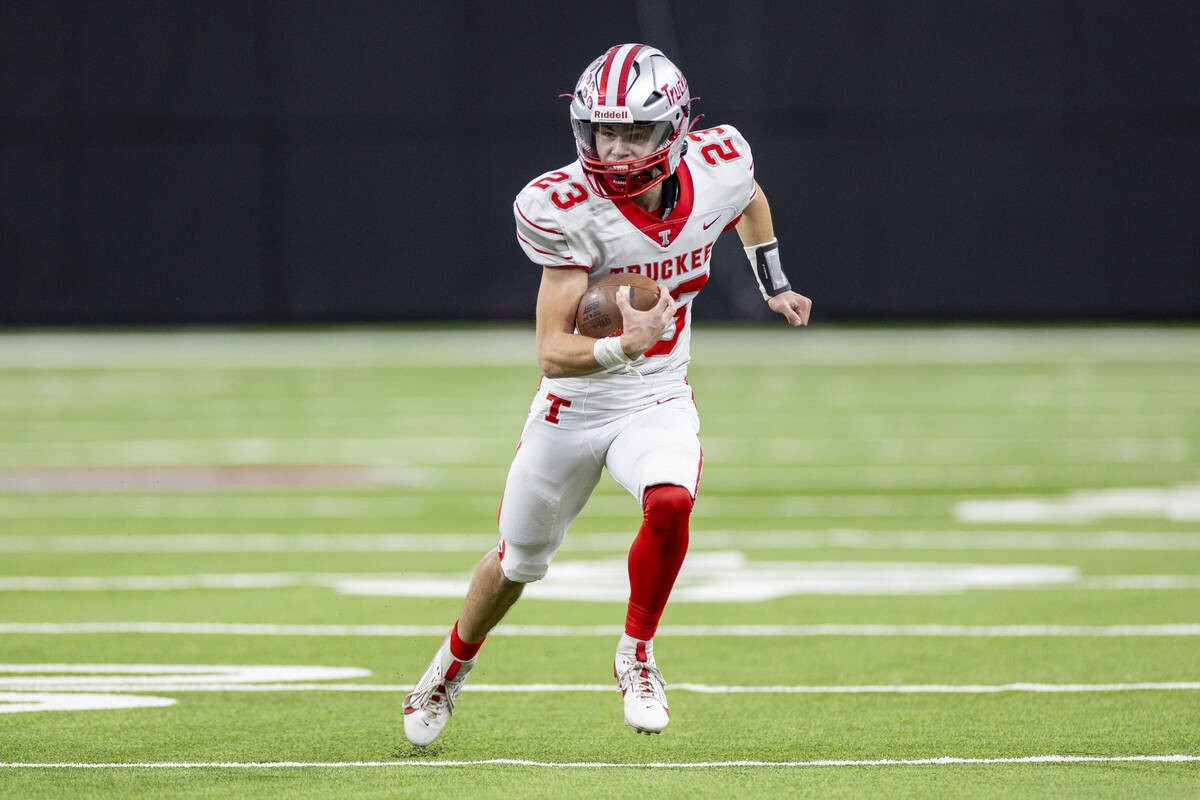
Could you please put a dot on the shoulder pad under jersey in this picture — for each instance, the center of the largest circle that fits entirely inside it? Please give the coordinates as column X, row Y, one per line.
column 724, row 150
column 540, row 230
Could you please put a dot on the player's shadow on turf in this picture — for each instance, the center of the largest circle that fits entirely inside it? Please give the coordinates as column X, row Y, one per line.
column 406, row 750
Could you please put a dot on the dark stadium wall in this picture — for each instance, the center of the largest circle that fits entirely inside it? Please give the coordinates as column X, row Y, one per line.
column 258, row 161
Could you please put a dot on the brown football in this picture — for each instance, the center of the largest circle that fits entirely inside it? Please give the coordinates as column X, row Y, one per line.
column 598, row 315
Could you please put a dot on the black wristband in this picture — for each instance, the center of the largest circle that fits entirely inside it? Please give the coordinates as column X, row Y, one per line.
column 764, row 260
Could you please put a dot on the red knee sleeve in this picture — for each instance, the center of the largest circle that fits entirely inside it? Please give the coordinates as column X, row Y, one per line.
column 667, row 507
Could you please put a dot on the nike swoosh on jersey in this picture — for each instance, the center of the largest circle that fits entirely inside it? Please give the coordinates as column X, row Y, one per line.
column 708, row 225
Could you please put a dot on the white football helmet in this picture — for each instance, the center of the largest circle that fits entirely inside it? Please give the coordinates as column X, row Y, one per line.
column 632, row 85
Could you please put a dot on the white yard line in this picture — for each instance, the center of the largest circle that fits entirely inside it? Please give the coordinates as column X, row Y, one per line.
column 1177, row 503
column 155, row 583
column 515, row 762
column 24, row 702
column 817, row 578
column 850, row 539
column 265, row 629
column 307, row 505
column 114, row 684
column 254, row 451
column 192, row 505
column 204, row 478
column 1136, row 582
column 73, row 676
column 512, row 345
column 265, row 542
column 887, row 455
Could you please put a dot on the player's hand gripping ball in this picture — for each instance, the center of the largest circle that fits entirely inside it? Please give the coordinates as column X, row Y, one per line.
column 599, row 316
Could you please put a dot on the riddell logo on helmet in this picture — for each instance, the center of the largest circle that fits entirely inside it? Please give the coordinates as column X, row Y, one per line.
column 611, row 114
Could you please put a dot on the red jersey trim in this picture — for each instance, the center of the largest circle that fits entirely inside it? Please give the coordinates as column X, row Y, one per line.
column 546, row 252
column 533, row 224
column 733, row 224
column 650, row 225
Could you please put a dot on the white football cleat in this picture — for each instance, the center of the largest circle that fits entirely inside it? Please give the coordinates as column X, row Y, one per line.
column 428, row 707
column 644, row 690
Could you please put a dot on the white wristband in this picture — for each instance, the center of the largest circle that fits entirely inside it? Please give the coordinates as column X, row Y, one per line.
column 608, row 352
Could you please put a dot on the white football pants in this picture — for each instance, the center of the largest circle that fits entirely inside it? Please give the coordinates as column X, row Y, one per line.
column 563, row 448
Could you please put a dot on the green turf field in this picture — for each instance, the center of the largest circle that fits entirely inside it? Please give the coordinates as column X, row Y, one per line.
column 945, row 561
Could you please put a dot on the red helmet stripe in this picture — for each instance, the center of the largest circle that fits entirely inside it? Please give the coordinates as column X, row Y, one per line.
column 602, row 90
column 623, row 81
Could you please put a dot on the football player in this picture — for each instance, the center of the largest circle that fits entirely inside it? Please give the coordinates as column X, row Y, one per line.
column 646, row 195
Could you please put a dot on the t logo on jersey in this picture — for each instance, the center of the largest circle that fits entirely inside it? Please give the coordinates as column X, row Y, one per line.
column 665, row 236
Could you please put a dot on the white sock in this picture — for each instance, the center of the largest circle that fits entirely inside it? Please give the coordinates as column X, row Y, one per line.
column 628, row 646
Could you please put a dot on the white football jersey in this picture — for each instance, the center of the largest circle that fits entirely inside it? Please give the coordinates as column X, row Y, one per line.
column 560, row 223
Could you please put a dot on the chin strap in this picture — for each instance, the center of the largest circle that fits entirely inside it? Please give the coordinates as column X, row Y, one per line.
column 670, row 196
column 764, row 263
